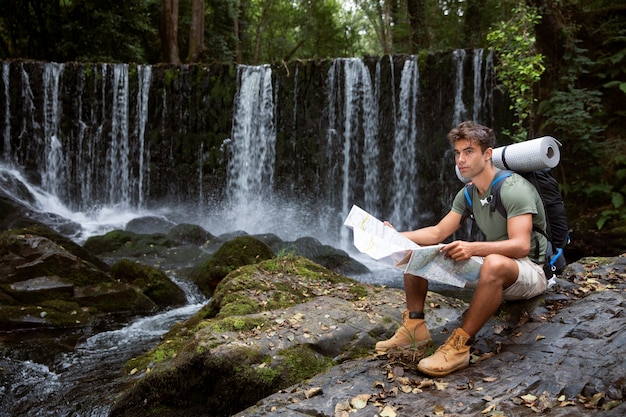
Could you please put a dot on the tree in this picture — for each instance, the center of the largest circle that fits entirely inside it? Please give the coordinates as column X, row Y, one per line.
column 169, row 35
column 196, row 32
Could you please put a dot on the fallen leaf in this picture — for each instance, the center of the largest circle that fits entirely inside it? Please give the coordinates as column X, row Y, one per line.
column 439, row 410
column 360, row 401
column 441, row 385
column 490, row 379
column 489, row 409
column 388, row 412
column 539, row 337
column 529, row 398
column 312, row 392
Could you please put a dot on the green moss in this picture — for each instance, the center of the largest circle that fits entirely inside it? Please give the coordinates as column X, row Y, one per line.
column 124, row 243
column 300, row 363
column 243, row 250
column 235, row 324
column 109, row 242
column 153, row 282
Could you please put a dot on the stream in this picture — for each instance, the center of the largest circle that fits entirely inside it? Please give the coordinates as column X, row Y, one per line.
column 76, row 374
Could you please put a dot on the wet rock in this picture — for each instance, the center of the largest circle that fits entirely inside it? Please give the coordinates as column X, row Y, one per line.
column 281, row 321
column 43, row 284
column 243, row 250
column 149, row 225
column 560, row 353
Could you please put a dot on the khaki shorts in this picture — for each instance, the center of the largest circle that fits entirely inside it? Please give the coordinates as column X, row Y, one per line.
column 531, row 281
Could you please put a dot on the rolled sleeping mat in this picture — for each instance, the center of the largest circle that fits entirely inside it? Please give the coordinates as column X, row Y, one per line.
column 531, row 155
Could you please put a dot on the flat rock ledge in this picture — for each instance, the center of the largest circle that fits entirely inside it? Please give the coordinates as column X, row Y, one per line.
column 560, row 354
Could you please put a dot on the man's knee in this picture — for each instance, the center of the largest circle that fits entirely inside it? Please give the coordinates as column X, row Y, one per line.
column 499, row 270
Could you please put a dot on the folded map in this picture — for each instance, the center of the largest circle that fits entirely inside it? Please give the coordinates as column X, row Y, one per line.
column 385, row 244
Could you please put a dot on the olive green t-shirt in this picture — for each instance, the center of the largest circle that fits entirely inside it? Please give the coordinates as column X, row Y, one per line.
column 518, row 197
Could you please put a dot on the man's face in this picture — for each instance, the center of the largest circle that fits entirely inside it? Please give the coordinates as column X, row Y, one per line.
column 469, row 157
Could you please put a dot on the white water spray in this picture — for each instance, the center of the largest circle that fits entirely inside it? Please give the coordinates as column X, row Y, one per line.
column 7, row 112
column 405, row 180
column 251, row 166
column 460, row 112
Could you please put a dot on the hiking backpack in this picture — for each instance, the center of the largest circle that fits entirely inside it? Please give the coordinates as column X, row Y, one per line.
column 556, row 231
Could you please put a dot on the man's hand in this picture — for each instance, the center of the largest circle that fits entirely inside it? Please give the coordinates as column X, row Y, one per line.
column 459, row 250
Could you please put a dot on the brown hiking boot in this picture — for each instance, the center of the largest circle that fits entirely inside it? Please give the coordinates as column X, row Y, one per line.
column 451, row 356
column 412, row 333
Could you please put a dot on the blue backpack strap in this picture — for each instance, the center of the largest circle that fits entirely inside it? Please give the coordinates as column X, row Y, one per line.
column 496, row 184
column 494, row 204
column 469, row 212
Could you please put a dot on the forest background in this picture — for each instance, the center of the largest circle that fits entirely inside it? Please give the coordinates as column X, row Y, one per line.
column 561, row 62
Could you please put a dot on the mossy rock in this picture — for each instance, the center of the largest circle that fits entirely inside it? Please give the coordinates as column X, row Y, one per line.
column 115, row 297
column 277, row 283
column 108, row 242
column 154, row 283
column 191, row 385
column 25, row 256
column 196, row 367
column 127, row 244
column 189, row 234
column 242, row 250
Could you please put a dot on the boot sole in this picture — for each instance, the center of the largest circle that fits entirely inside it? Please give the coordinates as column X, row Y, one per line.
column 442, row 373
column 411, row 345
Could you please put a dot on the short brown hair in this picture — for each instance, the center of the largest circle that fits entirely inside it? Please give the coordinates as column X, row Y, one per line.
column 469, row 130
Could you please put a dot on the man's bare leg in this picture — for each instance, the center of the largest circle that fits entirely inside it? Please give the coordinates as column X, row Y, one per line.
column 415, row 289
column 413, row 332
column 497, row 273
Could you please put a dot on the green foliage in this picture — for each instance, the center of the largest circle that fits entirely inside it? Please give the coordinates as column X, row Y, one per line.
column 519, row 65
column 583, row 104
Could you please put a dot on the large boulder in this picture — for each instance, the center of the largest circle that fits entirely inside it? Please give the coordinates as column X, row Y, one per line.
column 560, row 353
column 48, row 281
column 242, row 250
column 269, row 325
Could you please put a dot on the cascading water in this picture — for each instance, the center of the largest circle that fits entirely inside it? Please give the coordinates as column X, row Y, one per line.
column 117, row 157
column 7, row 112
column 353, row 128
column 459, row 106
column 252, row 145
column 405, row 179
column 53, row 171
column 144, row 75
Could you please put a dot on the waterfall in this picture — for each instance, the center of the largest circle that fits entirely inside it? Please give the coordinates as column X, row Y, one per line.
column 460, row 112
column 310, row 140
column 117, row 155
column 144, row 75
column 405, row 163
column 478, row 96
column 352, row 136
column 53, row 175
column 7, row 112
column 252, row 146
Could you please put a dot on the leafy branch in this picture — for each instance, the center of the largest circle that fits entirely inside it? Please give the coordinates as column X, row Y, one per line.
column 519, row 65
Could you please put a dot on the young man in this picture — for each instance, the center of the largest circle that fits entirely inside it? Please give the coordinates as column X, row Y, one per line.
column 513, row 253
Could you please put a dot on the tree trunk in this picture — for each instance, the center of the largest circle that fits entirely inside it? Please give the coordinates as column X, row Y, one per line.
column 169, row 35
column 196, row 31
column 237, row 33
column 259, row 32
column 417, row 24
